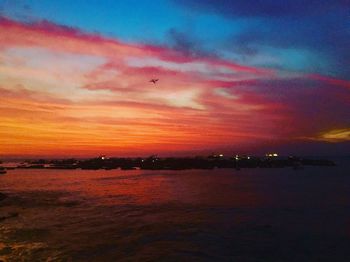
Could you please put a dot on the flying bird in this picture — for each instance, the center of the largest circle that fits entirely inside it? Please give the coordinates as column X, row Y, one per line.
column 154, row 80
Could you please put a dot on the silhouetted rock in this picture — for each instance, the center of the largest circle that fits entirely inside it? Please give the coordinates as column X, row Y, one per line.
column 10, row 215
column 2, row 170
column 2, row 196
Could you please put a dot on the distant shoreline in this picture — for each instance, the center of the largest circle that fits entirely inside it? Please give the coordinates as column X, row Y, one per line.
column 172, row 163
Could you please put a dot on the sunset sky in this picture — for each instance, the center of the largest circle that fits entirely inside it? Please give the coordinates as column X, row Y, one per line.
column 234, row 76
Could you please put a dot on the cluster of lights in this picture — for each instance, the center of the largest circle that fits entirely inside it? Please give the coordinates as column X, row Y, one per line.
column 217, row 156
column 237, row 157
column 272, row 155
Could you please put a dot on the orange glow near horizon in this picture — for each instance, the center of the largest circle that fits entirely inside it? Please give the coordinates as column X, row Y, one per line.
column 66, row 91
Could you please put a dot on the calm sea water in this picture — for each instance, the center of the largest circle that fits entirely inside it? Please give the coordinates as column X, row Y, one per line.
column 192, row 215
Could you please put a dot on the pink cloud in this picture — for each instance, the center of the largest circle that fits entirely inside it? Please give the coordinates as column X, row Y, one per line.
column 331, row 80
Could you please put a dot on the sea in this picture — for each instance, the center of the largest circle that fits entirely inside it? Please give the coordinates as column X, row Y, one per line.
column 252, row 214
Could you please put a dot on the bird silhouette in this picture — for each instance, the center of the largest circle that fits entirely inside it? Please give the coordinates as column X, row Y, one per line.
column 154, row 80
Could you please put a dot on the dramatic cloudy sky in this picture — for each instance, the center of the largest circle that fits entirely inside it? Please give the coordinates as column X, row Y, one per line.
column 234, row 76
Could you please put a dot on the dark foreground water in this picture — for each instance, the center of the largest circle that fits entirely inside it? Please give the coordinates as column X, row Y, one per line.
column 192, row 215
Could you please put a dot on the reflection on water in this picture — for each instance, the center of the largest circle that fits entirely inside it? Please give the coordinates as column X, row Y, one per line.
column 211, row 215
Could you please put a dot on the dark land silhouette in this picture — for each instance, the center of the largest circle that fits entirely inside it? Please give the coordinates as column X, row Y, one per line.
column 176, row 163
